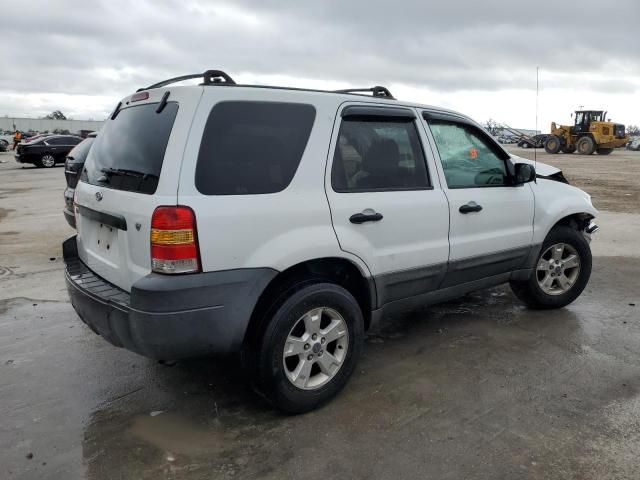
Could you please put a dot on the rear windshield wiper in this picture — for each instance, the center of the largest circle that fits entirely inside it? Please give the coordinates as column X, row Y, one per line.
column 124, row 172
column 127, row 172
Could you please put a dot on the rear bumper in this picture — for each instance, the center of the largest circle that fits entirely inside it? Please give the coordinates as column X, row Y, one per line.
column 167, row 317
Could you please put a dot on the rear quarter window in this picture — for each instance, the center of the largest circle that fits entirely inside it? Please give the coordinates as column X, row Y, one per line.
column 252, row 147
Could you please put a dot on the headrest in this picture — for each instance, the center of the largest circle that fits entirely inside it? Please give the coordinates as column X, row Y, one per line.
column 381, row 157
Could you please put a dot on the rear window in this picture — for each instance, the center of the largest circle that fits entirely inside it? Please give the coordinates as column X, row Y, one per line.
column 252, row 147
column 128, row 153
column 79, row 152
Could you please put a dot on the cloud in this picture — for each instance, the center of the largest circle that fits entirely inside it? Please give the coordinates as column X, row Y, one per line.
column 106, row 49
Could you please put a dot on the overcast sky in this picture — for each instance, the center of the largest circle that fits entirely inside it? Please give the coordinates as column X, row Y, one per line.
column 478, row 57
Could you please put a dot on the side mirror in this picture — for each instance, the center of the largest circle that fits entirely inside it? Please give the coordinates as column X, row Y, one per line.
column 524, row 173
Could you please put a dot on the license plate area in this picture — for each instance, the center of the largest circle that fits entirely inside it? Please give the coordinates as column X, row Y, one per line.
column 106, row 241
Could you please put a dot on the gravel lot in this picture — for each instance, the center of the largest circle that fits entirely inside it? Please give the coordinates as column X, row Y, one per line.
column 479, row 388
column 612, row 180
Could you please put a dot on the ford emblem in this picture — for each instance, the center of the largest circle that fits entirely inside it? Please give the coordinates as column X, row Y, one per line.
column 98, row 196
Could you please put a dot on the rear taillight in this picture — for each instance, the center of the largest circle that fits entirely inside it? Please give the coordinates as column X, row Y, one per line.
column 174, row 241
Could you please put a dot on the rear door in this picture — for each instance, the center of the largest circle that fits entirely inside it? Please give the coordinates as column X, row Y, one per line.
column 63, row 145
column 387, row 206
column 132, row 168
column 55, row 146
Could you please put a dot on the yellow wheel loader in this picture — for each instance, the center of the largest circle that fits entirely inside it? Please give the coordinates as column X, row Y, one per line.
column 590, row 133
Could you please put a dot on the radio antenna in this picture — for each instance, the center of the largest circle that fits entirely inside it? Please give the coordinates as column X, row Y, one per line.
column 535, row 150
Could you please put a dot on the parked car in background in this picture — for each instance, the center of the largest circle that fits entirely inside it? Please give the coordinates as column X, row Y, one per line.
column 634, row 145
column 85, row 133
column 47, row 151
column 537, row 141
column 72, row 170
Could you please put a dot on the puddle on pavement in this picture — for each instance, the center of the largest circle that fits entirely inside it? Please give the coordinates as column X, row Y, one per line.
column 175, row 434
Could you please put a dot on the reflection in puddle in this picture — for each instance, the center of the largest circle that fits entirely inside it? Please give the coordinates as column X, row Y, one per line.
column 177, row 435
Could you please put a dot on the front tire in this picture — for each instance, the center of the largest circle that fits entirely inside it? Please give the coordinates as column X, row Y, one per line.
column 309, row 347
column 552, row 144
column 562, row 271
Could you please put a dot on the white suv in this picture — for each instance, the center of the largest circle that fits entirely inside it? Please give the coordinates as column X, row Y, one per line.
column 283, row 223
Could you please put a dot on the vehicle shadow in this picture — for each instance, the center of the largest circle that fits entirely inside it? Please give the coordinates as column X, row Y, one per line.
column 199, row 418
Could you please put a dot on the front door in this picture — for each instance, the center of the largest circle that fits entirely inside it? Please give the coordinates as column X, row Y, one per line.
column 491, row 227
column 385, row 206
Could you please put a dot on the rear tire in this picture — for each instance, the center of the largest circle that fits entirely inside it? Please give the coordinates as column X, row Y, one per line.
column 288, row 345
column 604, row 151
column 585, row 146
column 546, row 287
column 552, row 144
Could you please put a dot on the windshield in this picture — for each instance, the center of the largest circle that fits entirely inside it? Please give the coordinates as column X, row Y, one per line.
column 128, row 153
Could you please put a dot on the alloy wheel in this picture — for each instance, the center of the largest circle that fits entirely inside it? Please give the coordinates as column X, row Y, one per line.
column 48, row 161
column 315, row 348
column 558, row 269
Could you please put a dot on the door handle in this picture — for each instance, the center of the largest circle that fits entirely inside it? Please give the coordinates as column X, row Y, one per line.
column 470, row 207
column 365, row 217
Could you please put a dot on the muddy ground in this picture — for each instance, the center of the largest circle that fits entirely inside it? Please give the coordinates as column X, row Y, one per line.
column 479, row 388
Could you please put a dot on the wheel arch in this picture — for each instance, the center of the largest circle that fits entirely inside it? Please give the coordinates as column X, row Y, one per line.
column 585, row 134
column 560, row 204
column 578, row 221
column 338, row 270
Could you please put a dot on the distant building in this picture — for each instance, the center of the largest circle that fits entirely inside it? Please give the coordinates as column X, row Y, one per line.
column 43, row 124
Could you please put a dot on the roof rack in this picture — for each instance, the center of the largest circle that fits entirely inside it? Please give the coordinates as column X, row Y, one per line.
column 218, row 77
column 377, row 91
column 209, row 77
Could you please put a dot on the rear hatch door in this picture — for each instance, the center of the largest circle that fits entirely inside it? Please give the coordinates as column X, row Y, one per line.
column 132, row 168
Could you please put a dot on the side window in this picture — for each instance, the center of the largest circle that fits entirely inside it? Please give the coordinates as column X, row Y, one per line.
column 252, row 147
column 468, row 159
column 378, row 154
column 55, row 141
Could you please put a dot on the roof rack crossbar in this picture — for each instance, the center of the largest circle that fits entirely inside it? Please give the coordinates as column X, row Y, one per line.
column 209, row 77
column 377, row 91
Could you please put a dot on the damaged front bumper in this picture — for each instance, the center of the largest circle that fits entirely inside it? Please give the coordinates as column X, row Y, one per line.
column 590, row 229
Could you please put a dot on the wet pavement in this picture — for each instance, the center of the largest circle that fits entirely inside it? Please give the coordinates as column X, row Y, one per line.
column 478, row 388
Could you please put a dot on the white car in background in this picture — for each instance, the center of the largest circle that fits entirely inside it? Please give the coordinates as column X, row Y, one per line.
column 634, row 144
column 283, row 223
